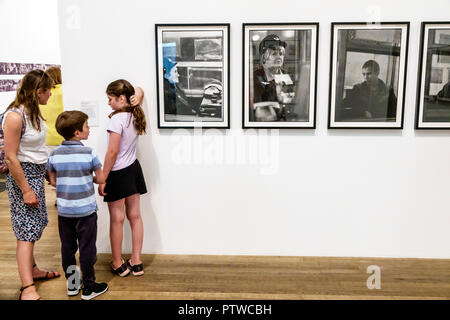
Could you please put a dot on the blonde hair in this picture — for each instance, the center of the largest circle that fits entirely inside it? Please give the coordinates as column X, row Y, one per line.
column 266, row 54
column 26, row 95
column 123, row 87
column 55, row 73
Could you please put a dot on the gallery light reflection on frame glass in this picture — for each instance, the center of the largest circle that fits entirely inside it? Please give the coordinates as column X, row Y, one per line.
column 253, row 34
column 196, row 68
column 428, row 104
column 333, row 121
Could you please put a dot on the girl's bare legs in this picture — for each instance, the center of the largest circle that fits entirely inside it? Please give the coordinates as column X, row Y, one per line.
column 132, row 205
column 117, row 217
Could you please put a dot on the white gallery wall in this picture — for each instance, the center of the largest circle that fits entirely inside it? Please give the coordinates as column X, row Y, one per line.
column 370, row 193
column 29, row 33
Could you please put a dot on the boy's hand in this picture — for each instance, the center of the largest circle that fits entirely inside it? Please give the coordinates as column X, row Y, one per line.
column 99, row 177
column 101, row 189
column 52, row 178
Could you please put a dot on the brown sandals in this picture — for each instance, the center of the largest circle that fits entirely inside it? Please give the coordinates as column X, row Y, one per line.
column 48, row 275
column 26, row 287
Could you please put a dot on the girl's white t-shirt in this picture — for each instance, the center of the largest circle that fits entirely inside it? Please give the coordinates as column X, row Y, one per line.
column 122, row 123
column 32, row 147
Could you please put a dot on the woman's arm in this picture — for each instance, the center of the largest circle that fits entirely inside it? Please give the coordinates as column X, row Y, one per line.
column 110, row 158
column 13, row 131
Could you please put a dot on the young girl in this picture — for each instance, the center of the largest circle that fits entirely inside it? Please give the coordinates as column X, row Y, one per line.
column 124, row 178
column 26, row 157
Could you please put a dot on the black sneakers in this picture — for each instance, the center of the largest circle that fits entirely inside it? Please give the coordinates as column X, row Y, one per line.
column 93, row 291
column 73, row 291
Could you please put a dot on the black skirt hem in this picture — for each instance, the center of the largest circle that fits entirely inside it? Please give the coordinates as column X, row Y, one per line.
column 125, row 182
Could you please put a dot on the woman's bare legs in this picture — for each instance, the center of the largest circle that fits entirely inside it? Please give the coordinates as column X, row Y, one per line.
column 25, row 261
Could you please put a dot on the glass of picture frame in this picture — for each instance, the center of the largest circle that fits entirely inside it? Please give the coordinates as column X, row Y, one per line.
column 280, row 75
column 368, row 75
column 433, row 85
column 193, row 75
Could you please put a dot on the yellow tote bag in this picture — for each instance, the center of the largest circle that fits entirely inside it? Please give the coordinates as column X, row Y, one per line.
column 50, row 112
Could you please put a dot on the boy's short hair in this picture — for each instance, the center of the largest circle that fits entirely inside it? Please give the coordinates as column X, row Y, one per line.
column 69, row 121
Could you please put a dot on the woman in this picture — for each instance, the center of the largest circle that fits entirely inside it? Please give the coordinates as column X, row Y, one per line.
column 54, row 108
column 26, row 156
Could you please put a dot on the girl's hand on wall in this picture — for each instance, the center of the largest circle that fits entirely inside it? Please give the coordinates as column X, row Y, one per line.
column 134, row 101
column 137, row 98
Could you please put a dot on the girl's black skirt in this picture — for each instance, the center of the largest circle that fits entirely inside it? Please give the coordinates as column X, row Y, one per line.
column 125, row 182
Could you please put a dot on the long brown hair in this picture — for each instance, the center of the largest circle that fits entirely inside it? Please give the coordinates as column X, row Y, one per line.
column 123, row 87
column 26, row 95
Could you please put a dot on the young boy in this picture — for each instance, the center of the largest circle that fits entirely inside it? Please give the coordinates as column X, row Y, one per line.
column 70, row 169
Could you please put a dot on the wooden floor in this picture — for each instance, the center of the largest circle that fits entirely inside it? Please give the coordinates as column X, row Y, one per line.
column 230, row 277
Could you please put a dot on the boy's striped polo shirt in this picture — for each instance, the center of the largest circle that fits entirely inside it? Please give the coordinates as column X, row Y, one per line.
column 73, row 164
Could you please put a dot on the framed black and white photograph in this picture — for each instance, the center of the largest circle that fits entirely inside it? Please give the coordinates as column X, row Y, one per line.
column 8, row 85
column 193, row 75
column 433, row 85
column 368, row 75
column 279, row 75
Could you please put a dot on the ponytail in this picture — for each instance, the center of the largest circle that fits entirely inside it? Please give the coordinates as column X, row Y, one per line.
column 139, row 120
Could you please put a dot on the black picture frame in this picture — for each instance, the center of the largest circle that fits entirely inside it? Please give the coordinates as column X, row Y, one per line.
column 194, row 106
column 308, row 32
column 432, row 106
column 351, row 114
